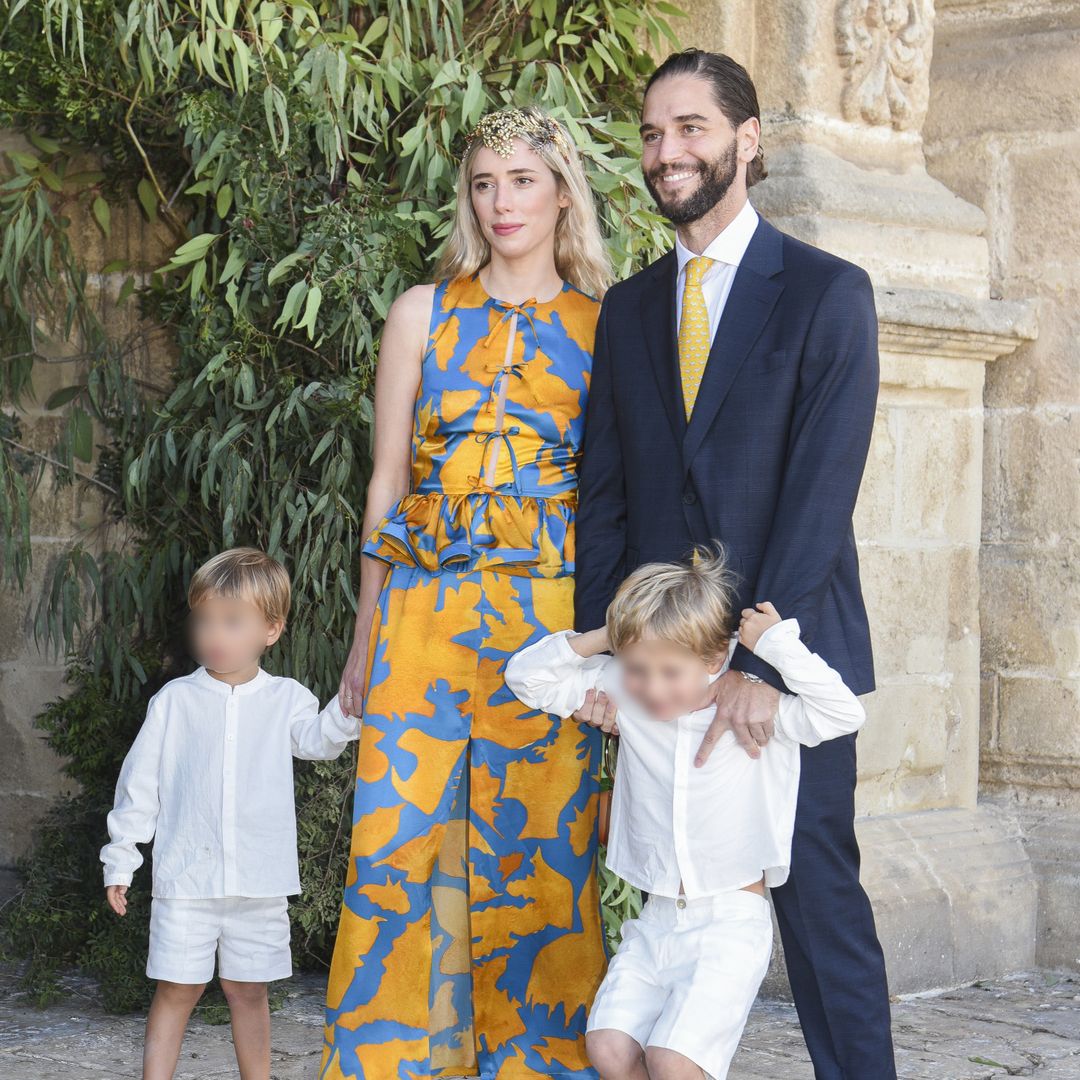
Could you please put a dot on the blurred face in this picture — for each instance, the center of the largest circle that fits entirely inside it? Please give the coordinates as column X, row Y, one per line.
column 227, row 634
column 692, row 158
column 666, row 679
column 516, row 200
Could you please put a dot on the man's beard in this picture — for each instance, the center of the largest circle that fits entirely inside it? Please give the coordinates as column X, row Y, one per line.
column 716, row 179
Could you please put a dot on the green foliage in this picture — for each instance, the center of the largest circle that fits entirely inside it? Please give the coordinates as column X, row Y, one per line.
column 301, row 157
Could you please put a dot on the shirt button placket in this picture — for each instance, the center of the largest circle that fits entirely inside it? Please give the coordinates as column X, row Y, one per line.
column 228, row 795
column 681, row 789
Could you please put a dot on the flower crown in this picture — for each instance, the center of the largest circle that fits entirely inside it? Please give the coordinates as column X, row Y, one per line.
column 497, row 131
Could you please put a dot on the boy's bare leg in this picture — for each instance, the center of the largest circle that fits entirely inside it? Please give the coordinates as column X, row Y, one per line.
column 249, row 1007
column 165, row 1027
column 664, row 1064
column 615, row 1055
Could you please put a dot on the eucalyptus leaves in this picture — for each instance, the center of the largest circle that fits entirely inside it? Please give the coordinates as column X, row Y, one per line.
column 298, row 161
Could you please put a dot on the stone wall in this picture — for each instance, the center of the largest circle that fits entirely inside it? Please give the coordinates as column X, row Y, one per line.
column 969, row 519
column 1004, row 131
column 30, row 777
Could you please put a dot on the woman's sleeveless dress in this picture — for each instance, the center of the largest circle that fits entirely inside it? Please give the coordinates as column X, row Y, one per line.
column 470, row 940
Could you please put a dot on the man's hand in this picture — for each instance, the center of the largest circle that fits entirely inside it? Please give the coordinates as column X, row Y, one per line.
column 742, row 706
column 756, row 622
column 117, row 897
column 598, row 710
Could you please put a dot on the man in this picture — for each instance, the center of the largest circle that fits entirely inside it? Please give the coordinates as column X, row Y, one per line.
column 733, row 393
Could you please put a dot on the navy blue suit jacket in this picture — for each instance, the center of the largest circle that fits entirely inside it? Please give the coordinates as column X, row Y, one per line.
column 771, row 460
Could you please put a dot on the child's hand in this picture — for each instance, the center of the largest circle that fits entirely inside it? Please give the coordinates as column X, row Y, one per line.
column 591, row 642
column 117, row 897
column 755, row 623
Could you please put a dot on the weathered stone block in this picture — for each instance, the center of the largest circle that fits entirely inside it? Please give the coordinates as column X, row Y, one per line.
column 938, row 491
column 993, row 74
column 875, row 509
column 1043, row 239
column 1037, row 482
column 1029, row 607
column 1039, row 717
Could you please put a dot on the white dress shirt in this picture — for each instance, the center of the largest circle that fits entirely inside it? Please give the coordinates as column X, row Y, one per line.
column 710, row 829
column 209, row 778
column 727, row 249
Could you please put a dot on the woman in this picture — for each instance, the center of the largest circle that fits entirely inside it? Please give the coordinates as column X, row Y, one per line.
column 470, row 940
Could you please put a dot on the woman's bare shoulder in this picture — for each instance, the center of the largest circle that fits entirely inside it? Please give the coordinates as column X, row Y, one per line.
column 413, row 304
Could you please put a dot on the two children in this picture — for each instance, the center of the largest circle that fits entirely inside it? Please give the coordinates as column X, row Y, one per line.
column 209, row 779
column 702, row 842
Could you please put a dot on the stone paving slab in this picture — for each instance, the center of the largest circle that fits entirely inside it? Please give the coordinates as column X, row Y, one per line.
column 1025, row 1025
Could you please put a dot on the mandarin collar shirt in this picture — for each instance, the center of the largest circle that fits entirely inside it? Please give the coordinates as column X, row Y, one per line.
column 676, row 828
column 209, row 778
column 727, row 250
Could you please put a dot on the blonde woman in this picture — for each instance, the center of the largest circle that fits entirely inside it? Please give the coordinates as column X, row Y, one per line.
column 470, row 941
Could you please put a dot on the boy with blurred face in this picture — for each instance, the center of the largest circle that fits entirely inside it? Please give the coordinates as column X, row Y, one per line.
column 703, row 843
column 209, row 779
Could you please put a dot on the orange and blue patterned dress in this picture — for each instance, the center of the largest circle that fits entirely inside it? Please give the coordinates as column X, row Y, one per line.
column 470, row 941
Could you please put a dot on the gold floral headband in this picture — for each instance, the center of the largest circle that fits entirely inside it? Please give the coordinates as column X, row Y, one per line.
column 497, row 130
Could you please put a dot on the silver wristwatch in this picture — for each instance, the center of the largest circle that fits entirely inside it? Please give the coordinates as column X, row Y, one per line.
column 750, row 677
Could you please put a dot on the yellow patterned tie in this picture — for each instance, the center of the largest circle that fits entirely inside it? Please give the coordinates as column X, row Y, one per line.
column 694, row 338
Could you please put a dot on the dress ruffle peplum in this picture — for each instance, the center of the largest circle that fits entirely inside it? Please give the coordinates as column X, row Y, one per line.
column 474, row 530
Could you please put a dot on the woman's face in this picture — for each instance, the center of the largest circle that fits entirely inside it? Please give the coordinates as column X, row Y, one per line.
column 516, row 200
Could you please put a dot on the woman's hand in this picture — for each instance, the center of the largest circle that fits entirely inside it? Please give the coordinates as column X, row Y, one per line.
column 351, row 687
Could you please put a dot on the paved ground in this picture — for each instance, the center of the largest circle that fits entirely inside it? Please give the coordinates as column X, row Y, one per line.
column 1028, row 1025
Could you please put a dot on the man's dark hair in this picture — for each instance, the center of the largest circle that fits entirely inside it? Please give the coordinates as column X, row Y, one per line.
column 733, row 90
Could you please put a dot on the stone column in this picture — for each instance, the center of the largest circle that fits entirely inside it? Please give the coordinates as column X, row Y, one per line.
column 844, row 88
column 1004, row 131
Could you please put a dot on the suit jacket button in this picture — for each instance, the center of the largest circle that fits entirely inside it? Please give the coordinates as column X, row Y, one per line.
column 689, row 498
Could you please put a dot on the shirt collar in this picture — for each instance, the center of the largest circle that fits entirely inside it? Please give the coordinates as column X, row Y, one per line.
column 730, row 245
column 204, row 678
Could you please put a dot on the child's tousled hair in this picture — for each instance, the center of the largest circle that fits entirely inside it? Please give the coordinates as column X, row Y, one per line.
column 245, row 573
column 690, row 603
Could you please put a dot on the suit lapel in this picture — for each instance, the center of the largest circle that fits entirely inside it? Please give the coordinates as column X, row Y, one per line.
column 662, row 339
column 753, row 296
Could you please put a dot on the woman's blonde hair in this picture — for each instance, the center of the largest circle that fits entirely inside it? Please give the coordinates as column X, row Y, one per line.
column 690, row 603
column 580, row 255
column 244, row 573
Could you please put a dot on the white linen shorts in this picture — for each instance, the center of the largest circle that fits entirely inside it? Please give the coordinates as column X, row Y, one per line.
column 249, row 935
column 686, row 973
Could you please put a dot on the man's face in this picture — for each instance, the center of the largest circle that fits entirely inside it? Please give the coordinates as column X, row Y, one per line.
column 691, row 155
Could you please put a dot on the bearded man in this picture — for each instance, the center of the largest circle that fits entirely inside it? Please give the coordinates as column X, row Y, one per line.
column 733, row 393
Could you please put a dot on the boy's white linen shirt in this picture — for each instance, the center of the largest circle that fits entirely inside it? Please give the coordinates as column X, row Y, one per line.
column 209, row 779
column 714, row 828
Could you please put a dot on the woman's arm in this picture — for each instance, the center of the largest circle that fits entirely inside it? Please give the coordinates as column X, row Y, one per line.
column 397, row 379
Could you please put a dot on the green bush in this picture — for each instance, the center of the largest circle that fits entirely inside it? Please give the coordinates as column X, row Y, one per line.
column 301, row 157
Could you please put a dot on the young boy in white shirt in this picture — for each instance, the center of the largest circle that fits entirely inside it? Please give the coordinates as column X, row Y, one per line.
column 209, row 778
column 702, row 842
